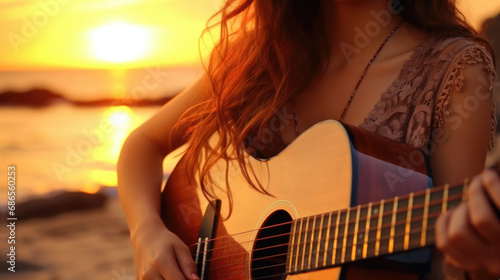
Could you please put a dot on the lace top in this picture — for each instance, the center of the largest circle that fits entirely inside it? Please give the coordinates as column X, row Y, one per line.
column 417, row 101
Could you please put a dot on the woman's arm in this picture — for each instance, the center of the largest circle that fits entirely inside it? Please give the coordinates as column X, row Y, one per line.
column 139, row 181
column 468, row 235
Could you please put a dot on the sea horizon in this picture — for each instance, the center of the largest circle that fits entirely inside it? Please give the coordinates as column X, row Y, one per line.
column 92, row 84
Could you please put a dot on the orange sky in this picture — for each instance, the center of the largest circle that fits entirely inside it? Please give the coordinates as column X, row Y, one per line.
column 84, row 33
column 80, row 33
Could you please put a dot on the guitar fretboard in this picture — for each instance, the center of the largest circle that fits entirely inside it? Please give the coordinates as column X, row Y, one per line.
column 380, row 228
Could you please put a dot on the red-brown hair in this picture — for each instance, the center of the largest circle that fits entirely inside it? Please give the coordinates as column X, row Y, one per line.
column 267, row 52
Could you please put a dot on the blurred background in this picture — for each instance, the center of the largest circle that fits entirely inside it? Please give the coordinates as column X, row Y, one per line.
column 76, row 76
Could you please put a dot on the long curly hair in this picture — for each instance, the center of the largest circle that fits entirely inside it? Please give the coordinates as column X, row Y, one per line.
column 269, row 51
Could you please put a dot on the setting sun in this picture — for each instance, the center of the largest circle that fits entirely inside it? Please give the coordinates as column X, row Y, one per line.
column 119, row 42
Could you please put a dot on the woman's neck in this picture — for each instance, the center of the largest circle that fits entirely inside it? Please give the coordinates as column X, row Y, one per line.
column 357, row 28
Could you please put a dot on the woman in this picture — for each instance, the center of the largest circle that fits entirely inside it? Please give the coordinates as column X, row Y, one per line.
column 413, row 71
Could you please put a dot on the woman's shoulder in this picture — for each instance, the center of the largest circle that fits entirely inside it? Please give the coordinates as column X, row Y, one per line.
column 438, row 68
column 439, row 63
column 469, row 71
column 437, row 50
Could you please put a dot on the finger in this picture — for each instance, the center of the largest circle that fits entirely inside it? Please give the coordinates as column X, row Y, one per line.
column 441, row 232
column 481, row 214
column 491, row 184
column 466, row 240
column 458, row 242
column 442, row 243
column 151, row 274
column 440, row 229
column 186, row 263
column 170, row 270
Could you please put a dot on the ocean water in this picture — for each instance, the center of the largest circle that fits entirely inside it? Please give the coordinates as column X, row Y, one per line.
column 63, row 147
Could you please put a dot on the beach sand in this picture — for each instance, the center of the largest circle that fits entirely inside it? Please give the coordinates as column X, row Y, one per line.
column 93, row 244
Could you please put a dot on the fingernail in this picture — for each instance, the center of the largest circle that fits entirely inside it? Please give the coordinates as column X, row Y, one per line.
column 195, row 277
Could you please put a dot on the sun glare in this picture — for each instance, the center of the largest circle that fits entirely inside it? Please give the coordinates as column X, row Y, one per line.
column 119, row 42
column 121, row 121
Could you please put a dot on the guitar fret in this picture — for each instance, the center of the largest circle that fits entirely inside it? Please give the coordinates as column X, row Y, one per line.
column 393, row 224
column 355, row 238
column 330, row 251
column 445, row 198
column 346, row 230
column 300, row 240
column 438, row 203
column 367, row 230
column 304, row 245
column 326, row 244
column 379, row 227
column 311, row 244
column 455, row 196
column 291, row 248
column 319, row 240
column 363, row 211
column 417, row 214
column 424, row 220
column 336, row 260
column 372, row 234
column 400, row 226
column 408, row 223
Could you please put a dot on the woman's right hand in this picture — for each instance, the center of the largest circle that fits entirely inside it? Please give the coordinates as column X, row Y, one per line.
column 160, row 254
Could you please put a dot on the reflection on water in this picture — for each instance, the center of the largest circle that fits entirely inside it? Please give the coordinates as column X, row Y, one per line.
column 122, row 121
column 65, row 147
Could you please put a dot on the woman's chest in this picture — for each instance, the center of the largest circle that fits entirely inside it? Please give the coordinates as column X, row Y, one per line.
column 340, row 95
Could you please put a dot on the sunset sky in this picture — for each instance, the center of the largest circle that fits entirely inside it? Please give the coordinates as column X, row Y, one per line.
column 100, row 33
column 45, row 34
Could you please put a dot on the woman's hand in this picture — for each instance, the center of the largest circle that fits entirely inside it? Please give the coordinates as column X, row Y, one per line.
column 469, row 235
column 160, row 254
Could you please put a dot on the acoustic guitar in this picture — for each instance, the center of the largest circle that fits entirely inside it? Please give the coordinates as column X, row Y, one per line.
column 338, row 195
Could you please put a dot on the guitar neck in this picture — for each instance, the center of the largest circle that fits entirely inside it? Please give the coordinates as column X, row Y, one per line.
column 380, row 228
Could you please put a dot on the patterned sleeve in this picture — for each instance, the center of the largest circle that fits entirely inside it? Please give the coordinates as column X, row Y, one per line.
column 454, row 82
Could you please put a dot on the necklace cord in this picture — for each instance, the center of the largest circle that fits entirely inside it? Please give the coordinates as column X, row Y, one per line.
column 357, row 84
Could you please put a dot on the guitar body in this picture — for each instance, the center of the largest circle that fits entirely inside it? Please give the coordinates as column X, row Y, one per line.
column 328, row 167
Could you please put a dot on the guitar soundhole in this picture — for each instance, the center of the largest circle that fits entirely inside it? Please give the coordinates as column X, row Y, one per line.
column 270, row 250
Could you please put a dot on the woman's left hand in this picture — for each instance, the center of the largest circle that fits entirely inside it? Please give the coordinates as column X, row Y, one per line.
column 469, row 235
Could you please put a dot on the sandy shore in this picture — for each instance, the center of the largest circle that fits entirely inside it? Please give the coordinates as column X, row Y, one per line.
column 93, row 244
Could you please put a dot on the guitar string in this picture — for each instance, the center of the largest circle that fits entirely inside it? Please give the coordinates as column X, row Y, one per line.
column 383, row 239
column 385, row 214
column 284, row 264
column 341, row 236
column 349, row 235
column 432, row 202
column 229, row 265
column 330, row 265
